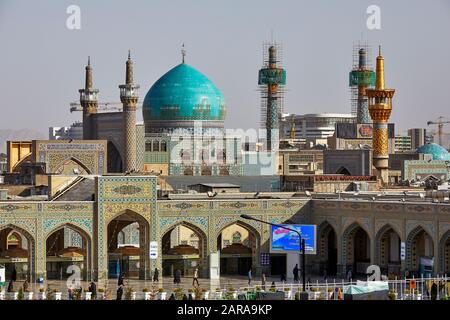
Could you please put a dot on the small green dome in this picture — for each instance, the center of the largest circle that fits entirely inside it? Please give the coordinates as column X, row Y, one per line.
column 183, row 94
column 438, row 152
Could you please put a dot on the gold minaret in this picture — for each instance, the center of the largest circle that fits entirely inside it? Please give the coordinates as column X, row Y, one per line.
column 129, row 98
column 380, row 107
column 89, row 102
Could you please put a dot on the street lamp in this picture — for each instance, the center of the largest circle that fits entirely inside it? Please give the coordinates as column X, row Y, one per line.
column 301, row 243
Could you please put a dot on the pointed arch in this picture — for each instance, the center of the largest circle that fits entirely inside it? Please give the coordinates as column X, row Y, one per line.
column 247, row 255
column 327, row 248
column 444, row 253
column 414, row 247
column 31, row 247
column 202, row 245
column 387, row 247
column 59, row 168
column 355, row 253
column 86, row 245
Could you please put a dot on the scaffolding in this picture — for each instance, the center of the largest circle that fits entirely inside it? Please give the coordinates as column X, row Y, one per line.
column 360, row 76
column 279, row 78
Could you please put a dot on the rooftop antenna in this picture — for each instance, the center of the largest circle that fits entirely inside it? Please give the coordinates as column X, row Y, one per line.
column 183, row 53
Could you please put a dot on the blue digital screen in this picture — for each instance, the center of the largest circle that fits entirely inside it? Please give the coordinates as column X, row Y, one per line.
column 285, row 241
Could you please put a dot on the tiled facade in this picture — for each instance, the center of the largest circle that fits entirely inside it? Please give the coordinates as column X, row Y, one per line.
column 116, row 195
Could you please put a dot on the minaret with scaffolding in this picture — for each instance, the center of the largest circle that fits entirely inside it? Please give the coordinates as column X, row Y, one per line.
column 361, row 78
column 271, row 81
column 89, row 103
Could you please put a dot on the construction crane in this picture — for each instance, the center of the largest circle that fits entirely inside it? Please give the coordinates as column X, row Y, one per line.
column 102, row 106
column 440, row 123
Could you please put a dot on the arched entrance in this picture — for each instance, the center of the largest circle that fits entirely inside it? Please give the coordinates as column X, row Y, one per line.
column 238, row 244
column 327, row 249
column 420, row 252
column 72, row 166
column 356, row 249
column 65, row 247
column 114, row 158
column 444, row 252
column 388, row 244
column 184, row 247
column 17, row 252
column 128, row 246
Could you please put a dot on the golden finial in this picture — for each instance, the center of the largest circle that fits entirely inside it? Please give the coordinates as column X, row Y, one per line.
column 379, row 85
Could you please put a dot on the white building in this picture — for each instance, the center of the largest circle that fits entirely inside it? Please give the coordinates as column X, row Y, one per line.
column 75, row 132
column 312, row 126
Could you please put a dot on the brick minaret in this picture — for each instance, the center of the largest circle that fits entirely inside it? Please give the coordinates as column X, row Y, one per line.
column 89, row 102
column 129, row 98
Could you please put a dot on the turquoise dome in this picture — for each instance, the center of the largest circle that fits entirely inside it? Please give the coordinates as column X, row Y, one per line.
column 183, row 94
column 438, row 152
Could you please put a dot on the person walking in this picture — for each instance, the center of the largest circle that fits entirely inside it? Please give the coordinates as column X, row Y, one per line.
column 195, row 280
column 11, row 286
column 119, row 292
column 120, row 281
column 295, row 272
column 93, row 290
column 70, row 293
column 349, row 275
column 178, row 276
column 25, row 285
column 156, row 275
column 263, row 281
column 283, row 277
column 249, row 276
column 14, row 274
column 434, row 291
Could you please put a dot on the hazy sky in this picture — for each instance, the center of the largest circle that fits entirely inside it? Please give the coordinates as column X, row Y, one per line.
column 42, row 62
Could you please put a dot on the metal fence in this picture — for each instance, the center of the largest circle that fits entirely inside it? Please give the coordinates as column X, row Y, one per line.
column 399, row 289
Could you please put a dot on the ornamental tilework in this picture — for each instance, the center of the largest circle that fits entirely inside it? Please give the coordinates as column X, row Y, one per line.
column 17, row 208
column 50, row 224
column 380, row 142
column 116, row 195
column 428, row 226
column 396, row 225
column 166, row 223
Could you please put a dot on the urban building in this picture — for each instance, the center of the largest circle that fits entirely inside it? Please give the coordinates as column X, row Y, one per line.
column 418, row 137
column 313, row 127
column 403, row 143
column 73, row 132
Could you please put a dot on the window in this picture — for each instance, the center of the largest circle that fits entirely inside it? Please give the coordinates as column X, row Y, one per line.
column 155, row 146
column 163, row 146
column 237, row 237
column 148, row 146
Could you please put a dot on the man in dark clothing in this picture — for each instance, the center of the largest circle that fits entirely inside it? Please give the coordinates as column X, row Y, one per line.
column 11, row 286
column 93, row 289
column 156, row 275
column 119, row 292
column 14, row 275
column 295, row 272
column 178, row 276
column 120, row 281
column 434, row 290
column 283, row 277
